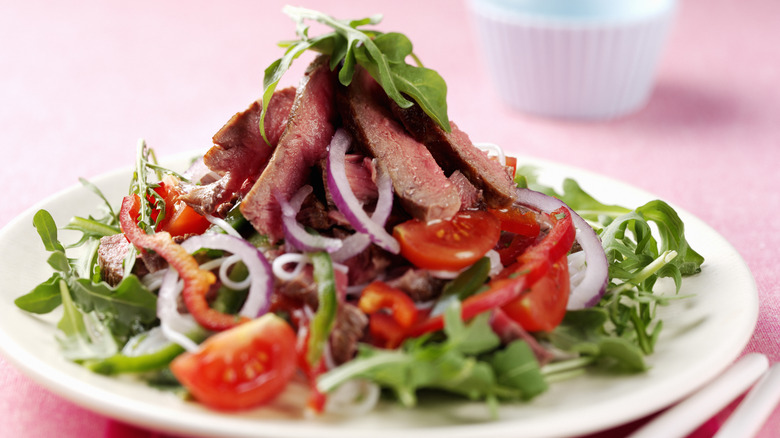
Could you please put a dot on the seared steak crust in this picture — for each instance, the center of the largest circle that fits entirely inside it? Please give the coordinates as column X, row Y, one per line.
column 454, row 151
column 240, row 154
column 304, row 143
column 418, row 181
column 239, row 144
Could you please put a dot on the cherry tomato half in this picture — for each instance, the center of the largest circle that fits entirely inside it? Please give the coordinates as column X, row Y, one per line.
column 180, row 219
column 448, row 245
column 240, row 368
column 544, row 306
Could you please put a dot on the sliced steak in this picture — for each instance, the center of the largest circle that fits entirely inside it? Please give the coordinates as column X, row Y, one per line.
column 112, row 251
column 239, row 147
column 111, row 254
column 302, row 145
column 418, row 181
column 240, row 154
column 367, row 265
column 419, row 284
column 361, row 175
column 470, row 196
column 301, row 288
column 455, row 151
column 348, row 329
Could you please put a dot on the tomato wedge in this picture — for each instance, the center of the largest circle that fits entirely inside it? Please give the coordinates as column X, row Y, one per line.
column 448, row 245
column 240, row 368
column 544, row 306
column 180, row 219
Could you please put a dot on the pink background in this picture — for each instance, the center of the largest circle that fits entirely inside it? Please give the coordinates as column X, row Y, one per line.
column 81, row 81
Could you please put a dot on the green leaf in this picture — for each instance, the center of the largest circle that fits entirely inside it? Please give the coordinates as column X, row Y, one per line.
column 473, row 338
column 92, row 227
column 469, row 281
column 47, row 229
column 516, row 367
column 395, row 46
column 399, row 80
column 383, row 55
column 82, row 336
column 127, row 308
column 59, row 261
column 582, row 332
column 43, row 298
column 453, row 365
column 586, row 205
column 273, row 74
column 672, row 231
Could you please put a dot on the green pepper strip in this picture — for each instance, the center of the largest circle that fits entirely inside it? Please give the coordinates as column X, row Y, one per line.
column 119, row 363
column 324, row 318
column 469, row 281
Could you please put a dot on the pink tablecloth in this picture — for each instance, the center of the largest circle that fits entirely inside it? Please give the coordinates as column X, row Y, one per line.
column 81, row 81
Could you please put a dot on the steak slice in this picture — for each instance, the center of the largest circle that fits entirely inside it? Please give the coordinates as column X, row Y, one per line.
column 302, row 145
column 455, row 151
column 240, row 154
column 470, row 196
column 111, row 255
column 239, row 147
column 349, row 328
column 418, row 181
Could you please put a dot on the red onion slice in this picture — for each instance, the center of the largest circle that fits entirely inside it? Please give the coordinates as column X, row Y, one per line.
column 594, row 283
column 294, row 232
column 175, row 326
column 347, row 202
column 358, row 242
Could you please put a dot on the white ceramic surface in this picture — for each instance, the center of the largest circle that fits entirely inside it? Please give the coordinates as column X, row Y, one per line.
column 584, row 59
column 703, row 335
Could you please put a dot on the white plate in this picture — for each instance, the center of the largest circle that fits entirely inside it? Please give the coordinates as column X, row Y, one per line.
column 702, row 336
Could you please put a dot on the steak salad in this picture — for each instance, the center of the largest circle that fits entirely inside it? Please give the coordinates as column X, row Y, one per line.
column 346, row 236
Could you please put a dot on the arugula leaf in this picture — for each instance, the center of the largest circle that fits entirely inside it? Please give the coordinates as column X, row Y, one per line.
column 638, row 256
column 43, row 298
column 516, row 367
column 91, row 228
column 82, row 336
column 583, row 332
column 126, row 309
column 47, row 230
column 140, row 187
column 90, row 307
column 382, row 55
column 465, row 362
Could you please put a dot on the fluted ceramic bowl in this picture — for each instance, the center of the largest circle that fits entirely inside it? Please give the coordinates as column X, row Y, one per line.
column 581, row 59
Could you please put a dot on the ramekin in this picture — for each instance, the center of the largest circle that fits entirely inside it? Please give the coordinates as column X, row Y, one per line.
column 580, row 59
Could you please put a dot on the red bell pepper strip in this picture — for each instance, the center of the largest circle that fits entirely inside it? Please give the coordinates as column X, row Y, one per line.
column 385, row 330
column 531, row 266
column 379, row 295
column 196, row 281
column 388, row 329
column 515, row 221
